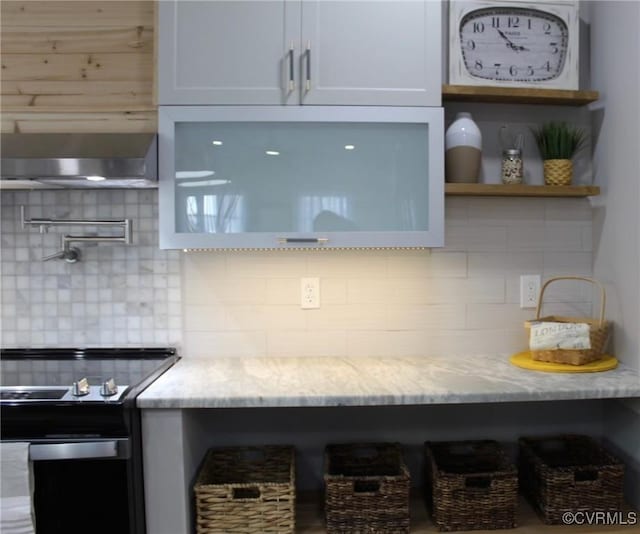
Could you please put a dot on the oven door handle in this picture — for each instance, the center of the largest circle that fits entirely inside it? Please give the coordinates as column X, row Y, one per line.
column 79, row 450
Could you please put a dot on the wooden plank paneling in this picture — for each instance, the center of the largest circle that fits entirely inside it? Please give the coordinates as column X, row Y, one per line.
column 86, row 87
column 72, row 103
column 34, row 40
column 79, row 122
column 80, row 14
column 77, row 66
column 108, row 67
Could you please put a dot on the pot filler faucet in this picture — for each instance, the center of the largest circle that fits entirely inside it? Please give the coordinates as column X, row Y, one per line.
column 72, row 254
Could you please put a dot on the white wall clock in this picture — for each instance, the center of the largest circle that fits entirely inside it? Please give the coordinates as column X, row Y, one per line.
column 514, row 43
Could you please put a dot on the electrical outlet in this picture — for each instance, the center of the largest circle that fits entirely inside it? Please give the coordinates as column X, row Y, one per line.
column 529, row 290
column 309, row 293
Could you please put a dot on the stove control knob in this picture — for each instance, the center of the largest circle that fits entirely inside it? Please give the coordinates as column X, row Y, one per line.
column 80, row 388
column 109, row 388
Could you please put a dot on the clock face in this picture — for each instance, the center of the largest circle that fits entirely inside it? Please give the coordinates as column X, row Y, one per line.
column 513, row 44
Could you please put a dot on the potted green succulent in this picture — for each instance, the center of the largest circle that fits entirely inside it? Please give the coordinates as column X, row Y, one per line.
column 558, row 143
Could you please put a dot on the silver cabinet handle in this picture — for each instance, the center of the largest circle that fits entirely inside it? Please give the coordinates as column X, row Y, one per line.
column 302, row 240
column 117, row 448
column 292, row 82
column 307, row 85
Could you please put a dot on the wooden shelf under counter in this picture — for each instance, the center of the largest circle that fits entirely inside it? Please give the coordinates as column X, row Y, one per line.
column 520, row 190
column 310, row 520
column 517, row 95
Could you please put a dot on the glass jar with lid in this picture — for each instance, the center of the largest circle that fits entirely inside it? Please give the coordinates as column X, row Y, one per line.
column 512, row 166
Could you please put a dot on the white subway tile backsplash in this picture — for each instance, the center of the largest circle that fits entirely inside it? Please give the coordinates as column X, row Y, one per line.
column 425, row 316
column 283, row 291
column 568, row 209
column 477, row 238
column 567, row 263
column 448, row 291
column 456, row 209
column 564, row 236
column 347, row 264
column 332, row 291
column 371, row 290
column 268, row 264
column 463, row 298
column 420, row 263
column 587, row 238
column 296, row 343
column 348, row 317
column 483, row 264
column 211, row 344
column 503, row 316
column 495, row 211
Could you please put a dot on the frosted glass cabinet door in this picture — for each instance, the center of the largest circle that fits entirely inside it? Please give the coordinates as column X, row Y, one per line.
column 301, row 177
column 227, row 52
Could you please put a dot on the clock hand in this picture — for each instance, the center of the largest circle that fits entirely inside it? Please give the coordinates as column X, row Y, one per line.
column 510, row 44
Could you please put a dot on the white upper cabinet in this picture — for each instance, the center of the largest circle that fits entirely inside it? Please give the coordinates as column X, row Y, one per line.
column 373, row 53
column 233, row 52
column 320, row 52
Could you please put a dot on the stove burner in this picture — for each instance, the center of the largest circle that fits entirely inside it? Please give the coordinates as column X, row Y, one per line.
column 32, row 394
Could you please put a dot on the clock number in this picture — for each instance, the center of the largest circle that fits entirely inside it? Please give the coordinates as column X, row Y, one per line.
column 497, row 66
column 547, row 28
column 555, row 48
column 547, row 66
column 478, row 65
column 530, row 71
column 478, row 27
column 514, row 22
column 513, row 70
column 495, row 22
column 471, row 45
column 529, row 24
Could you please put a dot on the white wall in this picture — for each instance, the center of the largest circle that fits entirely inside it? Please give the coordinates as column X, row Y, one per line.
column 615, row 71
column 616, row 121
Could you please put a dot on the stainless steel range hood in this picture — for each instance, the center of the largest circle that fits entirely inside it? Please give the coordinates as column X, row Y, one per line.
column 78, row 161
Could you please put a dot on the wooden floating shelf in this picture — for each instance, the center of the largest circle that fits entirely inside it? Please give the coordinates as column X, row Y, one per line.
column 517, row 95
column 520, row 190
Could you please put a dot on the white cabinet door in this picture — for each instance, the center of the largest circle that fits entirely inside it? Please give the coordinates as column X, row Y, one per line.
column 228, row 52
column 379, row 52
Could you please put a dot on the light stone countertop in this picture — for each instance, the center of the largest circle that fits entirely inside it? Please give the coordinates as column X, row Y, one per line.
column 243, row 382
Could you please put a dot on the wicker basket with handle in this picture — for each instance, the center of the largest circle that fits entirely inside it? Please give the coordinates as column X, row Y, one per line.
column 244, row 490
column 598, row 330
column 367, row 489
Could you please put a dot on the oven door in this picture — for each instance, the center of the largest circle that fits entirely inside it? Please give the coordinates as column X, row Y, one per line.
column 81, row 485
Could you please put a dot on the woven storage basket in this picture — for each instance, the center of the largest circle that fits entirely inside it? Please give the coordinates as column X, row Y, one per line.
column 569, row 473
column 470, row 485
column 246, row 490
column 367, row 489
column 599, row 330
column 558, row 171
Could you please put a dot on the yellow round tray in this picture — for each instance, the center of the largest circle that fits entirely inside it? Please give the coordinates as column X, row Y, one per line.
column 524, row 360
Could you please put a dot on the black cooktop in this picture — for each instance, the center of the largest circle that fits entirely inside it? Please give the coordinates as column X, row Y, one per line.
column 37, row 399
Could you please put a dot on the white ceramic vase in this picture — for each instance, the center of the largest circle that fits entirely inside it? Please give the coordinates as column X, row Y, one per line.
column 463, row 150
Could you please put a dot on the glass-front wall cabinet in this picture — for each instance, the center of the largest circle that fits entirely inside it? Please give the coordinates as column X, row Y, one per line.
column 303, row 177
